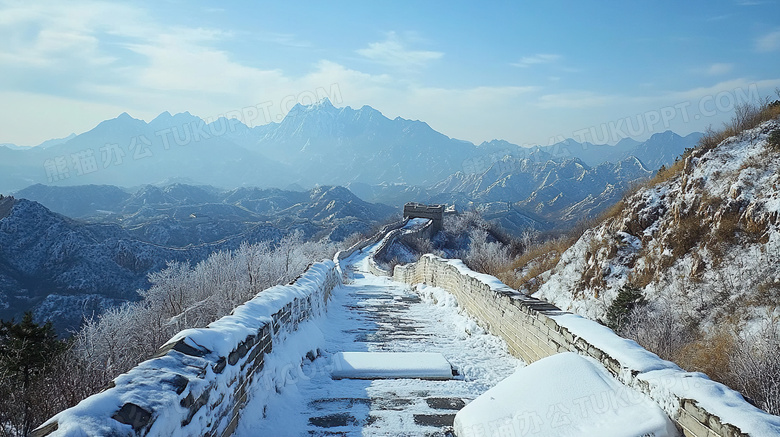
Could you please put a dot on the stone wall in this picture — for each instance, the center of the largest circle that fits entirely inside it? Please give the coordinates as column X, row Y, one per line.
column 359, row 246
column 433, row 212
column 391, row 238
column 198, row 382
column 534, row 329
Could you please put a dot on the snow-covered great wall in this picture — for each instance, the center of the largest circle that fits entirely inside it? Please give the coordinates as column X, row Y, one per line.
column 534, row 329
column 199, row 381
column 197, row 384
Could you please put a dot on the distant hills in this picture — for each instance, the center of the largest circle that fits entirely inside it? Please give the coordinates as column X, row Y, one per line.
column 65, row 268
column 522, row 192
column 313, row 145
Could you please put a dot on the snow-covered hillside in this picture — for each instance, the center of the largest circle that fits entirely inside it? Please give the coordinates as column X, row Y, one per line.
column 701, row 243
column 707, row 239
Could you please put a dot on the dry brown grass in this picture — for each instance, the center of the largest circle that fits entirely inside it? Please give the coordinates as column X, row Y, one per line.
column 686, row 234
column 535, row 261
column 709, row 354
column 641, row 278
column 746, row 116
column 664, row 174
column 768, row 294
column 774, row 139
column 615, row 210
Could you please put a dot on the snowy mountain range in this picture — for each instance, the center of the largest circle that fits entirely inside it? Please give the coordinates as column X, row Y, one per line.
column 313, row 145
column 129, row 232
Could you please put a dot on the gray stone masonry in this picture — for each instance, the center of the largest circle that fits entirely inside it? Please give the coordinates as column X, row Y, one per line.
column 531, row 334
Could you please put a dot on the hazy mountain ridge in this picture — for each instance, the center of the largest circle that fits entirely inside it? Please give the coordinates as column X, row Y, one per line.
column 523, row 192
column 66, row 269
column 313, row 145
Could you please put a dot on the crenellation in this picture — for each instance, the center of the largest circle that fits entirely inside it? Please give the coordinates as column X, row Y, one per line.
column 531, row 332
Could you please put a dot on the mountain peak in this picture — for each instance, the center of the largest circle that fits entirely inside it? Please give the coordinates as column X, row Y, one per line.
column 323, row 104
column 164, row 116
column 664, row 135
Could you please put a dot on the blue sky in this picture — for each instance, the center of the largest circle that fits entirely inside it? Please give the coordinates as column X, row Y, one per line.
column 527, row 72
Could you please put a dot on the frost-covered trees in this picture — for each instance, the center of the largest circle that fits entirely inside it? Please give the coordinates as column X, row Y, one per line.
column 755, row 366
column 658, row 327
column 181, row 297
column 486, row 254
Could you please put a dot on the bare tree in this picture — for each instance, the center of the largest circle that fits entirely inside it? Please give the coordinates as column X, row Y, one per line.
column 659, row 328
column 755, row 366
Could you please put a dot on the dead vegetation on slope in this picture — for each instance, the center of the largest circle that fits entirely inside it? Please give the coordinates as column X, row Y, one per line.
column 701, row 242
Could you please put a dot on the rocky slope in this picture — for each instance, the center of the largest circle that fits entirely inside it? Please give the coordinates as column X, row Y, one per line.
column 64, row 270
column 688, row 265
column 704, row 238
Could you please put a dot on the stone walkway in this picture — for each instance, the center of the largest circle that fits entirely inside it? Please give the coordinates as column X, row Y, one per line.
column 376, row 314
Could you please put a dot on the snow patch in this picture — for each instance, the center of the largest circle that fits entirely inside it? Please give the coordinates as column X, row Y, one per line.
column 593, row 404
column 384, row 365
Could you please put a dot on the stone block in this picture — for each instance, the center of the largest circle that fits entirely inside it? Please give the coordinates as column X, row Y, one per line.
column 722, row 429
column 45, row 430
column 182, row 347
column 220, row 365
column 135, row 416
column 692, row 427
column 177, row 382
column 693, row 409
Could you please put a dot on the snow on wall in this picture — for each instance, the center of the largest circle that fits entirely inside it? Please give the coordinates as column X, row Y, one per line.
column 360, row 245
column 412, row 227
column 535, row 329
column 197, row 383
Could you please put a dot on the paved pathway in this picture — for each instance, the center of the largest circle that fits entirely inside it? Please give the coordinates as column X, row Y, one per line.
column 377, row 314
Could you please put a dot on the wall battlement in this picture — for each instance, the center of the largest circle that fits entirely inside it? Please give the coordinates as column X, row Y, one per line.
column 433, row 212
column 534, row 329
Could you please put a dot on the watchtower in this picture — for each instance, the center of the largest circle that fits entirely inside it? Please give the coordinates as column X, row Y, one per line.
column 433, row 212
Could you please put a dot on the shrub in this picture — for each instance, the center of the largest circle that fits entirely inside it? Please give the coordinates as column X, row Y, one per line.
column 659, row 328
column 687, row 233
column 746, row 117
column 774, row 140
column 710, row 354
column 536, row 260
column 486, row 256
column 629, row 298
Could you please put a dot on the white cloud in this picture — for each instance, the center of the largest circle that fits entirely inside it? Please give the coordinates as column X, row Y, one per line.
column 769, row 42
column 53, row 35
column 528, row 61
column 718, row 69
column 394, row 53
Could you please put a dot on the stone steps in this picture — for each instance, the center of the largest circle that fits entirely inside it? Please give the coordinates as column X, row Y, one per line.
column 384, row 325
